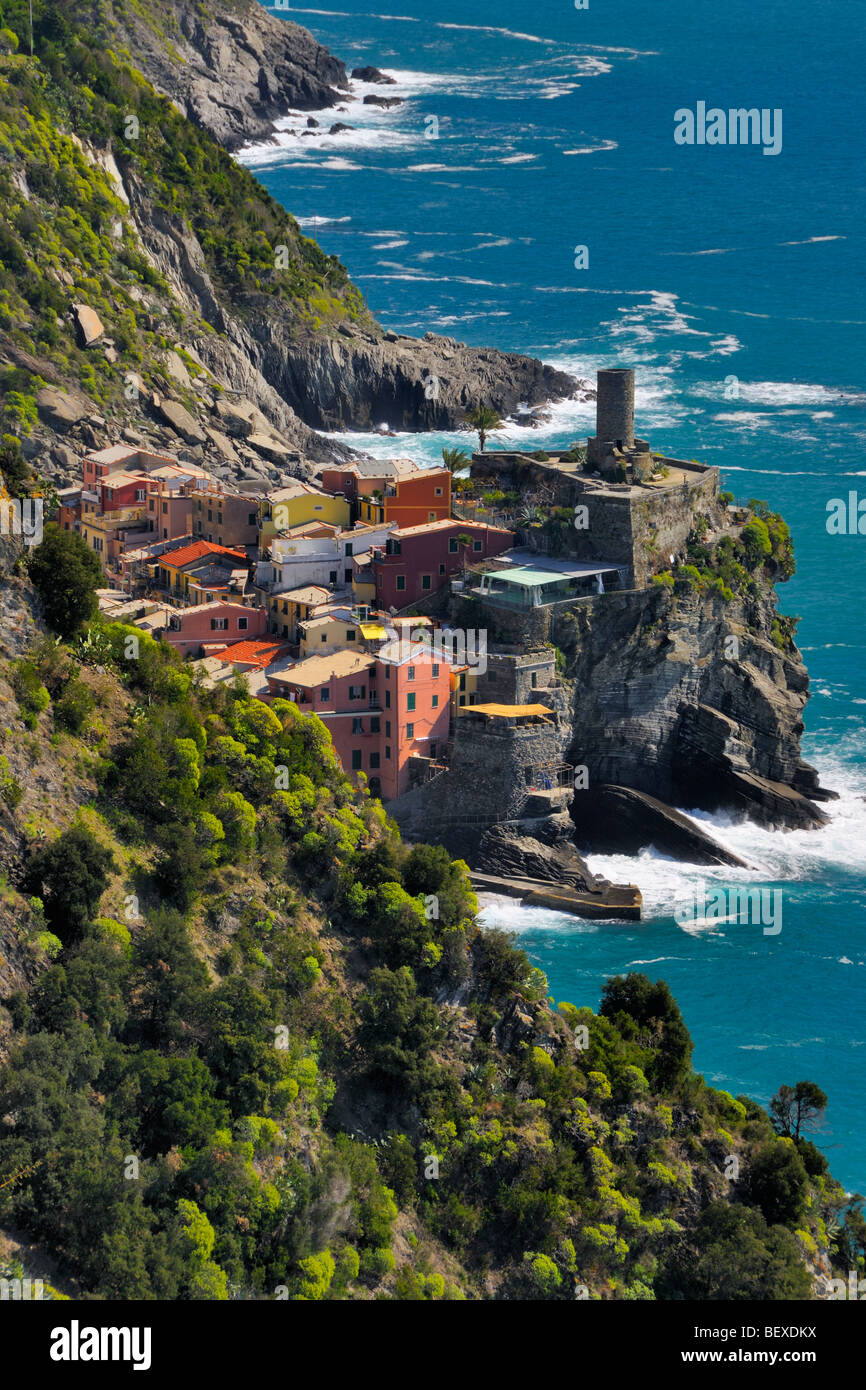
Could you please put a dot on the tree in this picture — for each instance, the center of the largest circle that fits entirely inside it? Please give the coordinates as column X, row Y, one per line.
column 734, row 1254
column 797, row 1108
column 455, row 460
column 464, row 541
column 648, row 1014
column 70, row 875
column 66, row 575
column 776, row 1182
column 483, row 418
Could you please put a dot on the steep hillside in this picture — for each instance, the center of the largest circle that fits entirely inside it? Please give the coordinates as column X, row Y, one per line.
column 260, row 1048
column 155, row 284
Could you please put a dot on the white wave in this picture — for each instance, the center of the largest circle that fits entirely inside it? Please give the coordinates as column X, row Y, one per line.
column 489, row 29
column 776, row 393
column 320, row 221
column 388, row 245
column 595, row 149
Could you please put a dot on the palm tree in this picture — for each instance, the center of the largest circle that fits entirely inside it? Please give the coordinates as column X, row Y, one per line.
column 483, row 418
column 455, row 460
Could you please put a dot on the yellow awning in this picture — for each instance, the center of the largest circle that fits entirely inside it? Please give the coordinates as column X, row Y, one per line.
column 373, row 631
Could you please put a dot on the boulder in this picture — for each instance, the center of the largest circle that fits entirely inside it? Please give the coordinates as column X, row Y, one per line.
column 371, row 74
column 385, row 102
column 88, row 325
column 619, row 820
column 60, row 410
column 180, row 420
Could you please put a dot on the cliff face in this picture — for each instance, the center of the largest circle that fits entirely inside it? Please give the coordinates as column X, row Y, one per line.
column 689, row 699
column 232, row 68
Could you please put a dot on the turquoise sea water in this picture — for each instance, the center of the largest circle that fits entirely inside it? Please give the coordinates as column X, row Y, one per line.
column 555, row 130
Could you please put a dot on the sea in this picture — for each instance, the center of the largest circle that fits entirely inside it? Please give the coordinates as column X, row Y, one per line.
column 528, row 193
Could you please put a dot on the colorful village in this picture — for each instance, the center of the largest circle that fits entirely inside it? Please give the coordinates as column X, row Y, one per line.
column 349, row 593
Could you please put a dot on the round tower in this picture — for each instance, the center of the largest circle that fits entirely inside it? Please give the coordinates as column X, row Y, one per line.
column 614, row 417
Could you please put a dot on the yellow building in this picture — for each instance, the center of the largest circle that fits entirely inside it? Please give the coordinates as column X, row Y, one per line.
column 287, row 610
column 296, row 505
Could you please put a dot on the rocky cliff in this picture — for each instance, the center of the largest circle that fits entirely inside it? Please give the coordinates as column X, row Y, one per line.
column 231, row 67
column 691, row 700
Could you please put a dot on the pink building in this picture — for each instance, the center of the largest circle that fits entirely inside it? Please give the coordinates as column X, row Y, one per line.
column 386, row 714
column 192, row 631
column 417, row 560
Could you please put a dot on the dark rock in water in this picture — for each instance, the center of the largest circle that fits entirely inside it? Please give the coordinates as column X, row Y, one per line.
column 371, row 100
column 338, row 126
column 371, row 74
column 312, row 123
column 619, row 820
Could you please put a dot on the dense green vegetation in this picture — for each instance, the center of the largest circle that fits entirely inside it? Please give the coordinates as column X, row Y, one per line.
column 268, row 1052
column 741, row 564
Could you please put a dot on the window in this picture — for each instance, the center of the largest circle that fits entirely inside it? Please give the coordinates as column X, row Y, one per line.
column 435, row 668
column 332, row 577
column 463, row 681
column 387, row 673
column 323, row 637
column 431, row 516
column 387, row 699
column 151, row 506
column 374, row 759
column 433, row 748
column 357, row 692
column 325, row 694
column 534, row 681
column 347, row 575
column 350, row 634
column 356, row 759
column 164, row 508
column 438, row 492
column 243, row 624
column 426, row 581
column 210, row 514
column 452, row 545
column 379, row 581
column 387, row 751
column 476, row 545
column 357, row 726
column 318, row 507
column 411, row 673
column 401, row 581
column 441, row 569
column 410, row 701
column 375, row 725
column 410, row 731
column 220, row 518
column 387, row 728
column 349, row 549
column 140, row 494
column 251, row 518
column 435, row 702
column 462, row 700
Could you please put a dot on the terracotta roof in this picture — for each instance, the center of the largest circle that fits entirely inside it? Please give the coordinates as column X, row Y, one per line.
column 258, row 652
column 198, row 550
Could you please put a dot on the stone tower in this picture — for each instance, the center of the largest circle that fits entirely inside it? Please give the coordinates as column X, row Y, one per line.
column 614, row 450
column 614, row 407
